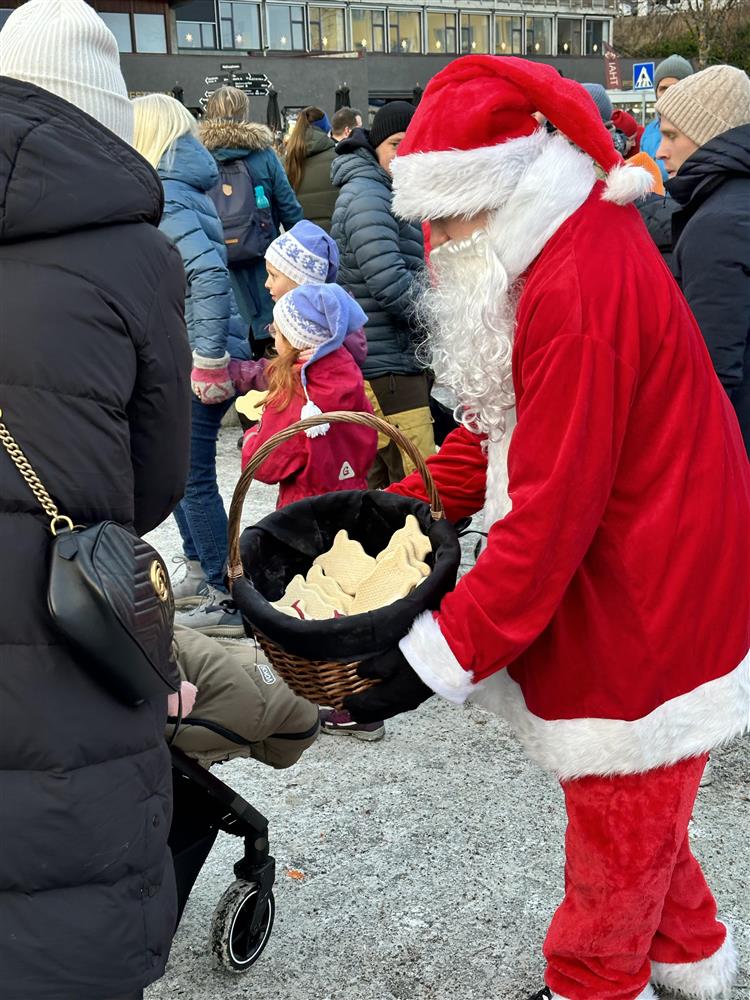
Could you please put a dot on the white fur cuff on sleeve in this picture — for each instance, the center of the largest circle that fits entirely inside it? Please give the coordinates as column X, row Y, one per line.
column 432, row 659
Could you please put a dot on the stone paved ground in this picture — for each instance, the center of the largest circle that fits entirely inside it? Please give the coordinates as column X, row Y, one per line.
column 432, row 860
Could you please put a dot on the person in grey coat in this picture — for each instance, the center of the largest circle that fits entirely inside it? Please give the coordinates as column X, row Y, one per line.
column 381, row 259
column 95, row 387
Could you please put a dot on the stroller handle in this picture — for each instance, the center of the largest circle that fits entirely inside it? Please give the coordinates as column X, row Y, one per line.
column 335, row 417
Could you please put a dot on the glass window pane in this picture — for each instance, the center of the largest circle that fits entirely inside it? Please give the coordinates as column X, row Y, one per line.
column 195, row 35
column 240, row 25
column 475, row 33
column 327, row 29
column 597, row 32
column 150, row 33
column 368, row 29
column 508, row 34
column 441, row 32
column 118, row 24
column 286, row 27
column 569, row 34
column 405, row 31
column 196, row 10
column 539, row 36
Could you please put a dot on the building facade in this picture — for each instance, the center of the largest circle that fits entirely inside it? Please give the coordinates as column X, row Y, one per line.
column 377, row 50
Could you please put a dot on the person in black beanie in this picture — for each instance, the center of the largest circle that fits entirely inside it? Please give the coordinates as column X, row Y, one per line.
column 380, row 259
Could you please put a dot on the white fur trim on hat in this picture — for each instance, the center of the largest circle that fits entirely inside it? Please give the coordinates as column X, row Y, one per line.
column 63, row 46
column 464, row 183
column 706, row 979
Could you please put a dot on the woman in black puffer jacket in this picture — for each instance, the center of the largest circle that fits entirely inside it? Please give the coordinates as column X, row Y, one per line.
column 381, row 257
column 94, row 385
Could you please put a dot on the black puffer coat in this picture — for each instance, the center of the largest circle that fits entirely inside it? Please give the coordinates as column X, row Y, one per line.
column 94, row 384
column 380, row 256
column 711, row 235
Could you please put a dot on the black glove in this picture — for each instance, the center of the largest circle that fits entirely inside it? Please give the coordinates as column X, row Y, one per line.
column 400, row 688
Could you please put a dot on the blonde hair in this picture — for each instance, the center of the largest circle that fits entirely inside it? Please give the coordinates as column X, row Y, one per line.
column 159, row 121
column 228, row 103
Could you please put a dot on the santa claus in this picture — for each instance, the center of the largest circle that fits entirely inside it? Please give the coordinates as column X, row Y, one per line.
column 608, row 619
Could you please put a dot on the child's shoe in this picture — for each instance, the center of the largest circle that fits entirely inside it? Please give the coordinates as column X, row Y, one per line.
column 216, row 615
column 338, row 722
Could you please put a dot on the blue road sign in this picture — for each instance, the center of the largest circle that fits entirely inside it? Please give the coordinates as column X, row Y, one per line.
column 643, row 76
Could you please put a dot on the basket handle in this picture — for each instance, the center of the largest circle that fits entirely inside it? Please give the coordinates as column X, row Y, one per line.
column 335, row 417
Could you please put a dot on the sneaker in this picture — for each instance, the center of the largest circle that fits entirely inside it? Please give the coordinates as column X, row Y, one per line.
column 215, row 615
column 339, row 722
column 545, row 994
column 192, row 585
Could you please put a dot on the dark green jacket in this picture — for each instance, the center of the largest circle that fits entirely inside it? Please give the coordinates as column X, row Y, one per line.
column 316, row 194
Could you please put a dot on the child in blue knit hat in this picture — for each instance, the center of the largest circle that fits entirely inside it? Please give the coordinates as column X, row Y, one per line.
column 305, row 255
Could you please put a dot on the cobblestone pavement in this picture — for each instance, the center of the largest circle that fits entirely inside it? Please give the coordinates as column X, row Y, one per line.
column 432, row 860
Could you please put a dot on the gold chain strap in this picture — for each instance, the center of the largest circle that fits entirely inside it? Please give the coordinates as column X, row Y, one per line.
column 32, row 480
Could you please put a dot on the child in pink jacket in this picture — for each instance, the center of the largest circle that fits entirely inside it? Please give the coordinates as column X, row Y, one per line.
column 314, row 321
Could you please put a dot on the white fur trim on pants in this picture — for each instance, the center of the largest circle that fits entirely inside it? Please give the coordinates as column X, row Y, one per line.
column 686, row 726
column 647, row 994
column 711, row 978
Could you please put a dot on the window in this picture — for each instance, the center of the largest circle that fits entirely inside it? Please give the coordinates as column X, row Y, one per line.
column 404, row 31
column 286, row 27
column 508, row 34
column 196, row 35
column 441, row 32
column 327, row 32
column 569, row 37
column 150, row 33
column 240, row 26
column 119, row 25
column 597, row 32
column 539, row 36
column 475, row 33
column 197, row 10
column 368, row 29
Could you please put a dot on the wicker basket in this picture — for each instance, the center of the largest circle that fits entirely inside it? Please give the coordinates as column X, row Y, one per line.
column 322, row 682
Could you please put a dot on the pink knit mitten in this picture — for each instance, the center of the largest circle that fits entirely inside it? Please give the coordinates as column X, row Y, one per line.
column 210, row 379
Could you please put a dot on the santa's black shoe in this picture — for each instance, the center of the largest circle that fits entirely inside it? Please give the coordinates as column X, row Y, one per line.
column 545, row 994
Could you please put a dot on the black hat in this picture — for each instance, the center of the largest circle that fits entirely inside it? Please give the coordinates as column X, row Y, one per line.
column 392, row 118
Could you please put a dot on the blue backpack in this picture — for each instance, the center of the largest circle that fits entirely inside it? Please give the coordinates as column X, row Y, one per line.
column 244, row 211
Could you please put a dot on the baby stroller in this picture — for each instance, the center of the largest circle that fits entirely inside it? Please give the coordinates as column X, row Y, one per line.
column 203, row 805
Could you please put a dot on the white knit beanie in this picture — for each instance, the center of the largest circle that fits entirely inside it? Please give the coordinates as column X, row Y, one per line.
column 708, row 103
column 65, row 47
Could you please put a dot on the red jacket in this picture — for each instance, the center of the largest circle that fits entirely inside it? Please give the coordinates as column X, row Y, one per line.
column 338, row 460
column 609, row 617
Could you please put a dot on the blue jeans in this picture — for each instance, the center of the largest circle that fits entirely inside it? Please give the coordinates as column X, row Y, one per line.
column 200, row 515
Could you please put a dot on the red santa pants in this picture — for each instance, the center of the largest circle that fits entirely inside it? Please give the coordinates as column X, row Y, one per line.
column 634, row 893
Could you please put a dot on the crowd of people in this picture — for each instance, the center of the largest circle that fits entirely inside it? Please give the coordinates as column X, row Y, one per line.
column 155, row 270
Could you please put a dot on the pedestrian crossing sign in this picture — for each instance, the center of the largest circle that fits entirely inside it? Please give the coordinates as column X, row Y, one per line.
column 643, row 76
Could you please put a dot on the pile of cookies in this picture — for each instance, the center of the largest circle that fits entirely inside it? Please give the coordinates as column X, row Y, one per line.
column 346, row 581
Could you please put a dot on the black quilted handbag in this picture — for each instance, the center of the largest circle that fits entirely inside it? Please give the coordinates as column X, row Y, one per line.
column 110, row 597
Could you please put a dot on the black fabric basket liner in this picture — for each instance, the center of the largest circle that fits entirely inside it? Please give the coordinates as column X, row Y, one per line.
column 286, row 542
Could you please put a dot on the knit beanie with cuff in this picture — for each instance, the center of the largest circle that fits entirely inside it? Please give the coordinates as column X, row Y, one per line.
column 392, row 118
column 674, row 67
column 64, row 47
column 306, row 254
column 707, row 104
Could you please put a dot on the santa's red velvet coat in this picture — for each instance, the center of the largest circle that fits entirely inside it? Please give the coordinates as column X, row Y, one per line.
column 609, row 617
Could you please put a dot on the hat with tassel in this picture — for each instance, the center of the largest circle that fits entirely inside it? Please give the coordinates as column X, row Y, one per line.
column 474, row 128
column 317, row 318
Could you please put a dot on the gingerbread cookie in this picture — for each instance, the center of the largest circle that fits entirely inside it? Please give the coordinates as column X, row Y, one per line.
column 328, row 587
column 346, row 562
column 393, row 578
column 412, row 536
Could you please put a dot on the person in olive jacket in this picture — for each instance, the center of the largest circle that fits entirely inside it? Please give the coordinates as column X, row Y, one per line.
column 94, row 385
column 705, row 147
column 381, row 259
column 307, row 160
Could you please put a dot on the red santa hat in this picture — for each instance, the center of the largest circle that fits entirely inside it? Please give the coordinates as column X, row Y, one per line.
column 476, row 115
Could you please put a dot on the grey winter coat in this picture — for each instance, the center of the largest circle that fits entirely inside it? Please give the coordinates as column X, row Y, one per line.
column 95, row 385
column 380, row 256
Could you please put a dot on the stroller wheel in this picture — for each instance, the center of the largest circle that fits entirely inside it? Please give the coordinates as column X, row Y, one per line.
column 233, row 941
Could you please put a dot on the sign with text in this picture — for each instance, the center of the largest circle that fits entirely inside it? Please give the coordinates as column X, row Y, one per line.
column 612, row 69
column 229, row 67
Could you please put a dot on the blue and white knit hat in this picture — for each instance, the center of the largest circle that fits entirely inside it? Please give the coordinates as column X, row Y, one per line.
column 306, row 254
column 317, row 318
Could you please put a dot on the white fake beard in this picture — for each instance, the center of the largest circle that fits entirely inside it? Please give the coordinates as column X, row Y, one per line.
column 467, row 308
